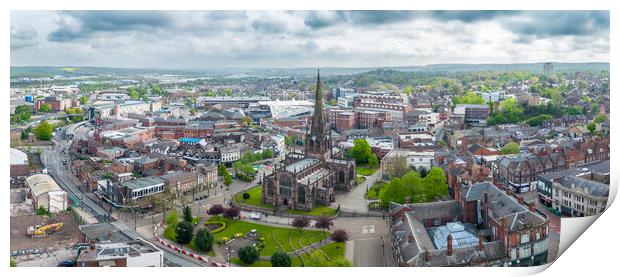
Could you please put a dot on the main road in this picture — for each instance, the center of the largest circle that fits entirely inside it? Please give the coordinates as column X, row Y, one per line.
column 52, row 158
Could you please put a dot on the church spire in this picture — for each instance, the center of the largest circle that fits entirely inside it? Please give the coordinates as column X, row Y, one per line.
column 317, row 142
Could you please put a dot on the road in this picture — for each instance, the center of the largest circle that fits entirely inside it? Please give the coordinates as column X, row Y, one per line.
column 52, row 159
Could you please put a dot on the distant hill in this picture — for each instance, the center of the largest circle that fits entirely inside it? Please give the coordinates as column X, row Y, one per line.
column 43, row 71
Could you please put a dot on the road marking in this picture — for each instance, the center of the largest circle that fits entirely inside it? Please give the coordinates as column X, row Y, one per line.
column 368, row 229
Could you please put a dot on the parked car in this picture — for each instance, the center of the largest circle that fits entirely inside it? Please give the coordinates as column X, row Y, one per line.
column 255, row 216
column 67, row 263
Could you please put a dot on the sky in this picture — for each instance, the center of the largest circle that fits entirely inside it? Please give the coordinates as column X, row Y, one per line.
column 276, row 39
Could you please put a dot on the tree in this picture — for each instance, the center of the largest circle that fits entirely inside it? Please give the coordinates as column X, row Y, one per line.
column 510, row 148
column 394, row 191
column 408, row 90
column 289, row 140
column 232, row 212
column 332, row 102
column 13, row 263
column 22, row 114
column 300, row 222
column 204, row 240
column 538, row 120
column 44, row 131
column 280, row 259
column 601, row 118
column 340, row 236
column 435, row 184
column 267, row 154
column 187, row 214
column 221, row 170
column 323, row 222
column 248, row 254
column 216, row 209
column 441, row 143
column 83, row 100
column 227, row 179
column 400, row 167
column 246, row 196
column 591, row 127
column 45, row 108
column 360, row 151
column 184, row 232
column 469, row 98
column 246, row 121
column 373, row 161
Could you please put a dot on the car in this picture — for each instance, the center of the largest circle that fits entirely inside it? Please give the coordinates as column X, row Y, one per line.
column 67, row 263
column 255, row 216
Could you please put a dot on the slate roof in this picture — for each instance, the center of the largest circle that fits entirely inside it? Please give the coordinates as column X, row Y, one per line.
column 593, row 188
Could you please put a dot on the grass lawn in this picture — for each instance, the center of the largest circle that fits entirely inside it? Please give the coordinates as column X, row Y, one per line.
column 316, row 211
column 259, row 263
column 256, row 195
column 282, row 235
column 172, row 220
column 365, row 170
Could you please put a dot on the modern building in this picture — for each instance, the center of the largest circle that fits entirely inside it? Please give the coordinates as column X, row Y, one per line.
column 473, row 114
column 137, row 253
column 548, row 69
column 46, row 193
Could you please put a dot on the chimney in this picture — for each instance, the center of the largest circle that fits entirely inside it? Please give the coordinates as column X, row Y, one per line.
column 502, row 231
column 427, row 256
column 532, row 206
column 449, row 251
column 486, row 198
column 480, row 242
column 93, row 246
column 410, row 238
column 521, row 200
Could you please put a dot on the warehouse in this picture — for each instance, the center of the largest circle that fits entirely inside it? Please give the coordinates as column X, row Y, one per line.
column 46, row 193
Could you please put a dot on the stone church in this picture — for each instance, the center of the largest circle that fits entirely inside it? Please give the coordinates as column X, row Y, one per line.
column 311, row 178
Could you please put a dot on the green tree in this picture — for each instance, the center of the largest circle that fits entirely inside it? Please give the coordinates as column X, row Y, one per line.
column 360, row 151
column 601, row 118
column 83, row 99
column 22, row 114
column 267, row 154
column 441, row 143
column 184, row 232
column 204, row 240
column 187, row 214
column 373, row 161
column 538, row 120
column 400, row 167
column 246, row 121
column 43, row 131
column 45, row 108
column 510, row 148
column 280, row 259
column 394, row 191
column 248, row 254
column 332, row 102
column 227, row 179
column 435, row 183
column 591, row 127
column 221, row 170
column 408, row 90
column 469, row 98
column 13, row 263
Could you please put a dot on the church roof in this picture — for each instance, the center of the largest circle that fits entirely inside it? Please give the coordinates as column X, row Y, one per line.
column 301, row 164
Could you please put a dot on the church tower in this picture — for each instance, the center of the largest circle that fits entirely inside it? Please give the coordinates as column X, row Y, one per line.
column 317, row 142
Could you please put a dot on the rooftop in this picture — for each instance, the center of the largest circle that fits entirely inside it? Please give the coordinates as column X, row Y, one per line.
column 143, row 182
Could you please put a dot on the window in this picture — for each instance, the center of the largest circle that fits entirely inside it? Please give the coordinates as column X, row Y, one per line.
column 525, row 251
column 525, row 238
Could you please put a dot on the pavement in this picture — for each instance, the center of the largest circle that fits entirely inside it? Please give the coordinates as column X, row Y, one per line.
column 354, row 200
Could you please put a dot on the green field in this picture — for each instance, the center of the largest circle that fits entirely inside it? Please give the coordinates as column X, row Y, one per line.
column 316, row 211
column 256, row 194
column 172, row 220
column 274, row 236
column 365, row 170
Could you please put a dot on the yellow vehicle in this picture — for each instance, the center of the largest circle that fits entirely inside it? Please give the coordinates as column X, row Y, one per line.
column 39, row 231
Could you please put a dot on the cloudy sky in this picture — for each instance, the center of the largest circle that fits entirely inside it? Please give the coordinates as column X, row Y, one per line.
column 215, row 39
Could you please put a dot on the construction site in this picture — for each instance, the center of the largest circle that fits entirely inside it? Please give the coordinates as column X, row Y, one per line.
column 43, row 240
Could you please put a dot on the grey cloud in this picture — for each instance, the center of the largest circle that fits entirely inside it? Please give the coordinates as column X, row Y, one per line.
column 106, row 21
column 540, row 24
column 23, row 37
column 470, row 16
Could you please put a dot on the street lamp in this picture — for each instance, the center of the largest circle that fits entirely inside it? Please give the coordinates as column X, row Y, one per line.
column 228, row 255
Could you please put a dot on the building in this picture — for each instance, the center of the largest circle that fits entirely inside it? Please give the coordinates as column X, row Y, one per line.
column 484, row 226
column 343, row 92
column 56, row 103
column 415, row 159
column 133, row 190
column 19, row 163
column 548, row 69
column 576, row 196
column 137, row 253
column 229, row 154
column 182, row 182
column 46, row 193
column 473, row 114
column 310, row 178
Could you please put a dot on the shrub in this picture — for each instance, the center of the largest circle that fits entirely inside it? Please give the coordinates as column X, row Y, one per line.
column 301, row 222
column 323, row 222
column 204, row 240
column 280, row 259
column 232, row 212
column 221, row 228
column 248, row 254
column 172, row 218
column 187, row 214
column 43, row 211
column 216, row 209
column 185, row 232
column 340, row 236
column 246, row 196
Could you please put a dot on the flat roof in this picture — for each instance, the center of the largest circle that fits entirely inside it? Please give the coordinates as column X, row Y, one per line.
column 143, row 182
column 18, row 157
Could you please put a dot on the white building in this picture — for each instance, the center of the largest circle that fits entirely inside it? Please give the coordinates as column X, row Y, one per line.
column 138, row 253
column 46, row 193
column 229, row 154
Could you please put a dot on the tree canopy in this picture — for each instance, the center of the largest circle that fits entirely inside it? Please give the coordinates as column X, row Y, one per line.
column 510, row 148
column 415, row 189
column 43, row 131
column 204, row 240
column 280, row 259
